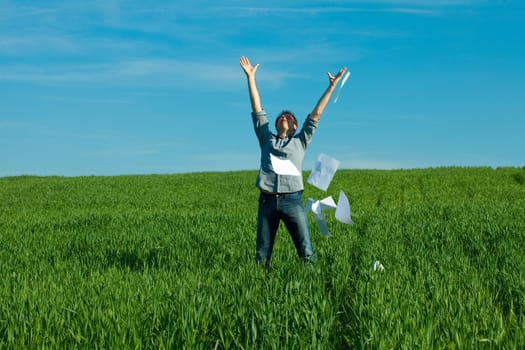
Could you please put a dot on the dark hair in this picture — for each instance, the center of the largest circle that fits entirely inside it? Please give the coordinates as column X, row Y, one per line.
column 285, row 113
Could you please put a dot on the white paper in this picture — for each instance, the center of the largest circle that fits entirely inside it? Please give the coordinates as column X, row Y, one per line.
column 317, row 208
column 342, row 212
column 327, row 203
column 284, row 166
column 345, row 78
column 323, row 171
column 378, row 266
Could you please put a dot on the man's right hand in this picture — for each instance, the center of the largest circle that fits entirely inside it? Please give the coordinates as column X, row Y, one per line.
column 248, row 69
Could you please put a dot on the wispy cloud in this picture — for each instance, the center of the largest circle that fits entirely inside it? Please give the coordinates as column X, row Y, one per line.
column 328, row 10
column 139, row 71
column 432, row 3
column 416, row 3
column 53, row 132
column 33, row 44
column 146, row 71
column 128, row 51
column 119, row 56
column 414, row 7
column 9, row 13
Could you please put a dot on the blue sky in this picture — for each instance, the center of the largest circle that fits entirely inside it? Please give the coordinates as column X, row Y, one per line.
column 134, row 87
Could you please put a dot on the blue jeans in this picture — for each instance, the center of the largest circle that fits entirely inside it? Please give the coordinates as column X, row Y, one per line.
column 289, row 208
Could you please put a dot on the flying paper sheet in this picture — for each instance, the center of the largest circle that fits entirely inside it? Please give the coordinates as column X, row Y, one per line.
column 323, row 171
column 316, row 207
column 345, row 78
column 284, row 166
column 327, row 203
column 342, row 212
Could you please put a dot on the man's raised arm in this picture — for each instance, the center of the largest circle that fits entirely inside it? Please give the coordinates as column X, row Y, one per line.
column 325, row 98
column 250, row 70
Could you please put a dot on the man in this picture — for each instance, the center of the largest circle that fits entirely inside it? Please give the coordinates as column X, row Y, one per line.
column 281, row 195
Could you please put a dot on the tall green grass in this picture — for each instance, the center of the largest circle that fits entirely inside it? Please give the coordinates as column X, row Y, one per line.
column 167, row 261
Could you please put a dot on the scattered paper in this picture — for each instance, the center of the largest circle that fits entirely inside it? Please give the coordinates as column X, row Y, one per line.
column 378, row 266
column 345, row 78
column 317, row 207
column 284, row 166
column 327, row 203
column 342, row 212
column 323, row 171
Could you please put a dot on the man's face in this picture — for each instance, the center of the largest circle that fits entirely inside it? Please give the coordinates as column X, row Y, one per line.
column 286, row 124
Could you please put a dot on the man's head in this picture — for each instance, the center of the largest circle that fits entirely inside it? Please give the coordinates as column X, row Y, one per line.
column 286, row 123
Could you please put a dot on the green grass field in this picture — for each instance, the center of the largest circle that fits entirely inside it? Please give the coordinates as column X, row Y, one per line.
column 167, row 261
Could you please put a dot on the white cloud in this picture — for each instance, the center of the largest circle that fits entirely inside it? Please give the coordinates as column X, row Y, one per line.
column 429, row 2
column 10, row 12
column 414, row 7
column 418, row 3
column 37, row 44
column 147, row 72
column 324, row 10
